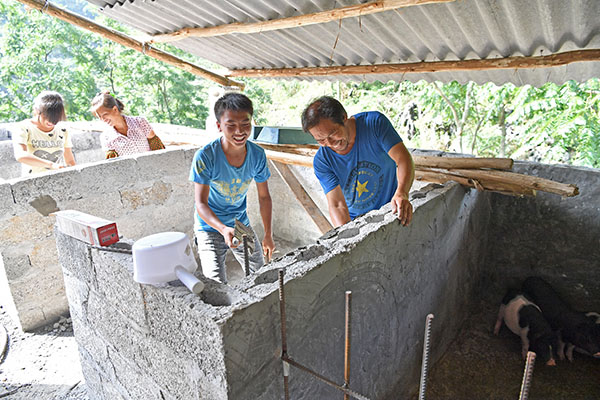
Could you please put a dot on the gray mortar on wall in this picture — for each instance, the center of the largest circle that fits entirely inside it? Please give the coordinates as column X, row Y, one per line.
column 139, row 342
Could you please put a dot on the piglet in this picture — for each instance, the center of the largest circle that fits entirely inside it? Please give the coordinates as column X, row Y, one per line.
column 525, row 319
column 575, row 329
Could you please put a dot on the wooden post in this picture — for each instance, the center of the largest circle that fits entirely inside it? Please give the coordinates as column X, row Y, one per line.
column 302, row 196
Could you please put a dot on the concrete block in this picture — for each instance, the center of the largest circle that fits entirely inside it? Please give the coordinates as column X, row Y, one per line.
column 75, row 256
column 93, row 378
column 77, row 292
column 170, row 163
column 7, row 204
column 156, row 194
column 56, row 185
column 108, row 176
column 116, row 285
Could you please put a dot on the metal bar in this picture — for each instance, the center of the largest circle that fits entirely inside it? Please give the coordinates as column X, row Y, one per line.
column 425, row 362
column 347, row 344
column 286, row 366
column 527, row 376
column 246, row 255
column 323, row 379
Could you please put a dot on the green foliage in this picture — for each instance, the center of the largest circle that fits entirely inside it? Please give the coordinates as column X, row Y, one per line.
column 555, row 124
column 42, row 53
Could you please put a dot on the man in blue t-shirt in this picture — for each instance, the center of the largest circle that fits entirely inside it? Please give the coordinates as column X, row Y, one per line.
column 362, row 163
column 222, row 172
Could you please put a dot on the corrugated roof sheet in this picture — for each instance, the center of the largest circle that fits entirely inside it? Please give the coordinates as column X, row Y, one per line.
column 461, row 30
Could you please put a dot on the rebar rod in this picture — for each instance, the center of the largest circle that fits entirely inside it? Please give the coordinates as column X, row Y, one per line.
column 425, row 362
column 347, row 344
column 323, row 379
column 527, row 374
column 286, row 366
column 246, row 255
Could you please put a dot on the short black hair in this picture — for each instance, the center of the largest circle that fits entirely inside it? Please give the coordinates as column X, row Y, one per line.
column 325, row 107
column 234, row 102
column 50, row 105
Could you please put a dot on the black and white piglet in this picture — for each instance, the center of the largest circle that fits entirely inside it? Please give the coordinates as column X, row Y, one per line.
column 575, row 329
column 525, row 319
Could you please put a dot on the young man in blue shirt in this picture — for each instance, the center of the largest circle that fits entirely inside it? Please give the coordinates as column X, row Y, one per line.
column 362, row 163
column 222, row 172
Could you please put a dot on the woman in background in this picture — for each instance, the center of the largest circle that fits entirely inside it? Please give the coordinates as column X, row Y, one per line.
column 129, row 135
column 42, row 143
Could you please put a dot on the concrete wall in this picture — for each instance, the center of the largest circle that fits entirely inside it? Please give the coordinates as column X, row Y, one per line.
column 139, row 342
column 549, row 236
column 144, row 194
column 117, row 190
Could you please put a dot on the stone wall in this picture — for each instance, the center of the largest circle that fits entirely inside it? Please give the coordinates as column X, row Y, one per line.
column 140, row 342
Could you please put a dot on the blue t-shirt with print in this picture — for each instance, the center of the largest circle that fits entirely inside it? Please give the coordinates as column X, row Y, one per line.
column 367, row 174
column 228, row 184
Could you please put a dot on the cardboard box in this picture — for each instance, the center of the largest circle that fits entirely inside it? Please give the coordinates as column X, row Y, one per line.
column 88, row 228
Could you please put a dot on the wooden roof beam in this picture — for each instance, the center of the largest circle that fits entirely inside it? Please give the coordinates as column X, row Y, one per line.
column 336, row 14
column 553, row 60
column 128, row 41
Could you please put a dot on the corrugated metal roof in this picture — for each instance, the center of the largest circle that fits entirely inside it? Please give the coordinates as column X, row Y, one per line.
column 461, row 30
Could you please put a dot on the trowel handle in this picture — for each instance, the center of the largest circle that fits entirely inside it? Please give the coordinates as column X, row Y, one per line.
column 189, row 280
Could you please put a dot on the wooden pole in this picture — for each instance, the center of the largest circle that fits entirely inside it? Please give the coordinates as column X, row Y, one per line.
column 463, row 162
column 302, row 196
column 504, row 188
column 128, row 41
column 293, row 22
column 421, row 67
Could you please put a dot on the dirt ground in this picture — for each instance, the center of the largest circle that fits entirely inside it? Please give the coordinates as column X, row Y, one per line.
column 479, row 365
column 40, row 365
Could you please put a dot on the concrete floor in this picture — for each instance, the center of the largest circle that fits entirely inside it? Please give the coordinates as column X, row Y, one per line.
column 479, row 365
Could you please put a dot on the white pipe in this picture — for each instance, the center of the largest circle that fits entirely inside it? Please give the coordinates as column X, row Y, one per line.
column 189, row 280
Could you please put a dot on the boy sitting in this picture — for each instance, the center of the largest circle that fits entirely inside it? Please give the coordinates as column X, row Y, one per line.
column 222, row 172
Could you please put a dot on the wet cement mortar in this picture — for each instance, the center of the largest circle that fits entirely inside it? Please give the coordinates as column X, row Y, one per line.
column 479, row 365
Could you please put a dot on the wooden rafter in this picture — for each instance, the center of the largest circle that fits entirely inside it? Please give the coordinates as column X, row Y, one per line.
column 337, row 14
column 127, row 41
column 553, row 60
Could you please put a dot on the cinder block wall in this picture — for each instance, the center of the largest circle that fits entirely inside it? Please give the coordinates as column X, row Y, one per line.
column 119, row 190
column 549, row 236
column 144, row 194
column 140, row 342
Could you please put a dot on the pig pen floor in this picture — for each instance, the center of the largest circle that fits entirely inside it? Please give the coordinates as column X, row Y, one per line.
column 479, row 365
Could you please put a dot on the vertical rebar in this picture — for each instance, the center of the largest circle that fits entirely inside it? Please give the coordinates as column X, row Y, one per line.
column 286, row 365
column 246, row 255
column 527, row 375
column 425, row 361
column 347, row 344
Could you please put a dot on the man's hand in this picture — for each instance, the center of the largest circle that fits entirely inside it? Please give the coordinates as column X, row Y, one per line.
column 227, row 233
column 268, row 246
column 402, row 206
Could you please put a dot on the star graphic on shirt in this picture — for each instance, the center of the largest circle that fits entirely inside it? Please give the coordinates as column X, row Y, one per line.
column 361, row 187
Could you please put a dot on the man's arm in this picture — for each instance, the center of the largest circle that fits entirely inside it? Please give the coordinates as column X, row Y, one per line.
column 266, row 210
column 405, row 172
column 338, row 209
column 207, row 214
column 22, row 156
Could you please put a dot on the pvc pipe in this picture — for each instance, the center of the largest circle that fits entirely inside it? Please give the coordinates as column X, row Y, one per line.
column 189, row 280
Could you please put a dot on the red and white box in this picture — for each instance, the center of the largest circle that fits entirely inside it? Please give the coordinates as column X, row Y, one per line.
column 88, row 228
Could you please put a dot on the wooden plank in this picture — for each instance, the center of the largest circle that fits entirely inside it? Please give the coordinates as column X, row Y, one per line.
column 128, row 41
column 463, row 162
column 293, row 22
column 421, row 67
column 291, row 159
column 303, row 197
column 440, row 177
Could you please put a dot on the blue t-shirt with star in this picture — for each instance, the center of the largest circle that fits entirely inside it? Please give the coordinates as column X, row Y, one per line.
column 228, row 184
column 367, row 174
